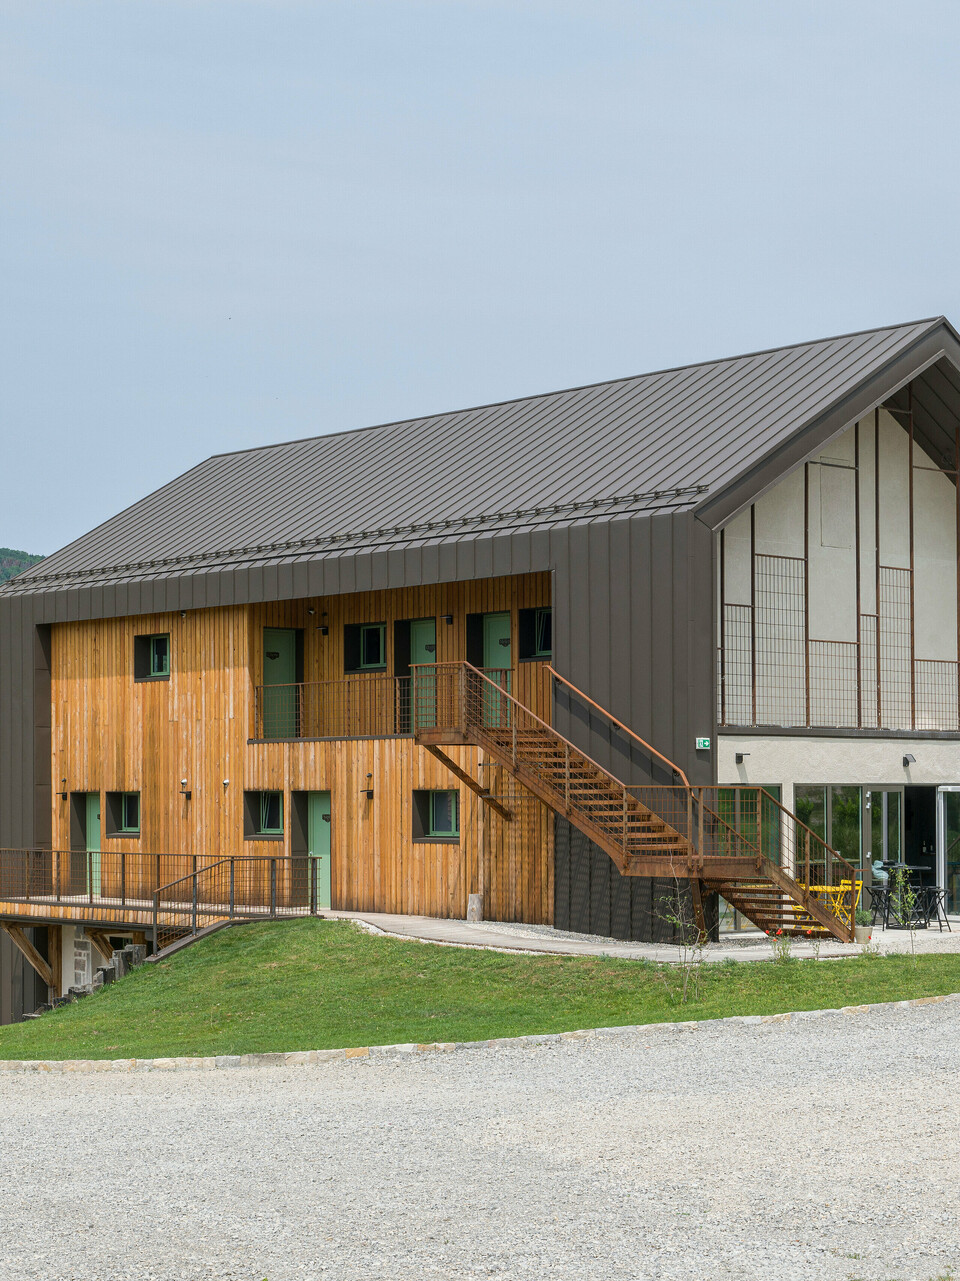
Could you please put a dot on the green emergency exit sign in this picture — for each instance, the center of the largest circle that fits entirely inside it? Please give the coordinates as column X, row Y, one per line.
column 703, row 745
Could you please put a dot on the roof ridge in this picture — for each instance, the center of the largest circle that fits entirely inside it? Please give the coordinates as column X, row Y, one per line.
column 561, row 391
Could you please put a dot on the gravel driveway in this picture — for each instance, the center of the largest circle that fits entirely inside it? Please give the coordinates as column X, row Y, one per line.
column 822, row 1149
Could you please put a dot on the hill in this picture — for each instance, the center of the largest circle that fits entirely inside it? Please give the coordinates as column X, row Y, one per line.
column 309, row 985
column 13, row 562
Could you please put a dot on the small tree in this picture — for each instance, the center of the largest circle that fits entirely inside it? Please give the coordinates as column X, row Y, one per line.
column 675, row 909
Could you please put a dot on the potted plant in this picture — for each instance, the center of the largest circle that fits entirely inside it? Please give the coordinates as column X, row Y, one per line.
column 862, row 925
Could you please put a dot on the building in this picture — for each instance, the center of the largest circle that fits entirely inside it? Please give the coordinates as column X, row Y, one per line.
column 546, row 652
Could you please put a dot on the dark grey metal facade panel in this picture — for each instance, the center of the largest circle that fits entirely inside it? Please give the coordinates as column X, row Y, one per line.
column 633, row 622
column 672, row 436
column 591, row 897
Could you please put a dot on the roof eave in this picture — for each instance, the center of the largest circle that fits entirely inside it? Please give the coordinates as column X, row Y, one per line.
column 940, row 341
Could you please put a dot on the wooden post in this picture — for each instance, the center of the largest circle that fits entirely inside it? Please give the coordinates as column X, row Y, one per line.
column 55, row 954
column 481, row 827
column 30, row 953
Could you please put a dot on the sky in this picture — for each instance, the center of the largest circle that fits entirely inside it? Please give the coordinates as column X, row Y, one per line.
column 232, row 222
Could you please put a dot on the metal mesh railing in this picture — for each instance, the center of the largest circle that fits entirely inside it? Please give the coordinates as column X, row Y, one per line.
column 106, row 878
column 246, row 888
column 354, row 707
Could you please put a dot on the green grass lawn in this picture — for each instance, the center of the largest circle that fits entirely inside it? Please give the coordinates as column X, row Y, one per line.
column 305, row 985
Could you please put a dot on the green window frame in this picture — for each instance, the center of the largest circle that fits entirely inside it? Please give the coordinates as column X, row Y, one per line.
column 160, row 654
column 543, row 633
column 151, row 657
column 373, row 646
column 129, row 813
column 270, row 814
column 444, row 814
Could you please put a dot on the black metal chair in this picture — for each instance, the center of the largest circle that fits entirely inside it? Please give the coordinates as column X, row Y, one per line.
column 935, row 903
column 879, row 902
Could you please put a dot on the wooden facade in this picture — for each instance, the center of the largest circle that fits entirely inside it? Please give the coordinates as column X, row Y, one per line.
column 112, row 733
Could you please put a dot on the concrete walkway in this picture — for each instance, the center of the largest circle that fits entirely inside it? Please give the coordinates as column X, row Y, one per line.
column 743, row 946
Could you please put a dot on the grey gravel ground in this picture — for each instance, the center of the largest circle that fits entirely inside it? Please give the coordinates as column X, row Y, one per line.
column 813, row 1150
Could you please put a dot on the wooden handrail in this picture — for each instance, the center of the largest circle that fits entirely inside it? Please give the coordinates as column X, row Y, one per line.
column 620, row 725
column 522, row 707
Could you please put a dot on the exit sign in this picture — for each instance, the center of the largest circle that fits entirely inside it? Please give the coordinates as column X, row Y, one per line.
column 703, row 745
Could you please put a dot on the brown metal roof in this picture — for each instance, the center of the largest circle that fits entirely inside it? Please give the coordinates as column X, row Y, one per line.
column 669, row 440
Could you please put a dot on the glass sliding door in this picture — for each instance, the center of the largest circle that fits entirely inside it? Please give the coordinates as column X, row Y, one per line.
column 948, row 844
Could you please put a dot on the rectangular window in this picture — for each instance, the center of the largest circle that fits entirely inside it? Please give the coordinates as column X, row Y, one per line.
column 151, row 657
column 263, row 814
column 373, row 645
column 436, row 815
column 444, row 813
column 123, row 814
column 810, row 806
column 544, row 633
column 834, row 814
column 535, row 633
column 364, row 647
column 130, row 812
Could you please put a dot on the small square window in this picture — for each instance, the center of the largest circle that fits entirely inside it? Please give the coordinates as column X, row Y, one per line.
column 263, row 814
column 123, row 814
column 373, row 645
column 151, row 657
column 436, row 815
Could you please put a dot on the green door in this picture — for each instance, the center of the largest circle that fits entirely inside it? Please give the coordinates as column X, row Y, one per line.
column 280, row 704
column 423, row 641
column 423, row 649
column 93, row 842
column 318, row 841
column 496, row 654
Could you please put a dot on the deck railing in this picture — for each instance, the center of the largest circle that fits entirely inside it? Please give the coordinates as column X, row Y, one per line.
column 362, row 706
column 251, row 887
column 87, row 876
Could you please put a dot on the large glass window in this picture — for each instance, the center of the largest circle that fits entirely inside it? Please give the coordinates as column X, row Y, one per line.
column 810, row 807
column 845, row 811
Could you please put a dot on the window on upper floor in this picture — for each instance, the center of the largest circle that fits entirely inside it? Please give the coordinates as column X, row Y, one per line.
column 151, row 657
column 535, row 634
column 364, row 647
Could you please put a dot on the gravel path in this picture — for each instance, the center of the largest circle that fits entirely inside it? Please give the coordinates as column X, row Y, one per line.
column 810, row 1150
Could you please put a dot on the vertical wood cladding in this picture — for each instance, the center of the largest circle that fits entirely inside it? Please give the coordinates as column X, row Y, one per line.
column 114, row 734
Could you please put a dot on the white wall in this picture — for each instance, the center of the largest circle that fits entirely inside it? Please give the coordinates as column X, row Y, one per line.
column 790, row 759
column 831, row 566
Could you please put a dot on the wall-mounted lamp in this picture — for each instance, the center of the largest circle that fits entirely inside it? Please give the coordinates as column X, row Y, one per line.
column 311, row 611
column 739, row 757
column 323, row 629
column 183, row 789
column 64, row 794
column 226, row 782
column 447, row 618
column 909, row 760
column 368, row 789
column 183, row 613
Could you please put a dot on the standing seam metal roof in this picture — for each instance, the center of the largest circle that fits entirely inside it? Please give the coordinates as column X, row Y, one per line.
column 654, row 442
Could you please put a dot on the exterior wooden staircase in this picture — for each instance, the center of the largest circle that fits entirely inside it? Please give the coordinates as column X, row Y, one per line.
column 733, row 841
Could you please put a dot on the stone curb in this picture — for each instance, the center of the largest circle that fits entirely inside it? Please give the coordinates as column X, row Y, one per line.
column 310, row 1058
